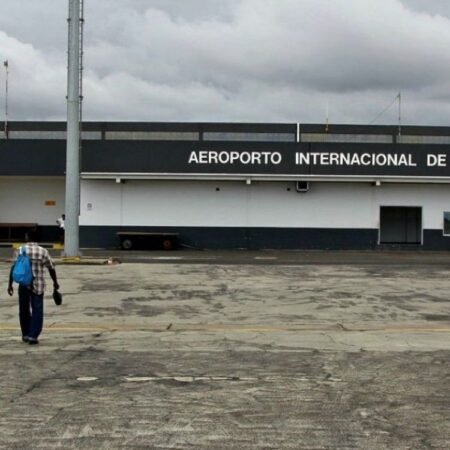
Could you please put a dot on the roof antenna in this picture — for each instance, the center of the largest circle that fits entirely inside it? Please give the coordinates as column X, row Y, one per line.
column 326, row 122
column 6, row 65
column 399, row 96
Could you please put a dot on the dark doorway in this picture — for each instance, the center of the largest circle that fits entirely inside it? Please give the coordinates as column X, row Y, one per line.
column 400, row 225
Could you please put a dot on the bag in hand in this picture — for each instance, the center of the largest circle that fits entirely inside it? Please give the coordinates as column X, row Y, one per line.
column 57, row 297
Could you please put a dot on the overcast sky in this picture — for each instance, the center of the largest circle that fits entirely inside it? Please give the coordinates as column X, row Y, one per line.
column 233, row 60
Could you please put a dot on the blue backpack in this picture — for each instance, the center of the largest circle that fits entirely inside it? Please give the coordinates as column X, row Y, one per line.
column 22, row 272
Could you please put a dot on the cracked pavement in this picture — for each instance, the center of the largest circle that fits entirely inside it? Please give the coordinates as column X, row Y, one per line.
column 235, row 356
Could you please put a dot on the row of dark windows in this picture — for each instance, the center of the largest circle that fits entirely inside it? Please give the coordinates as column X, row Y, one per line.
column 231, row 136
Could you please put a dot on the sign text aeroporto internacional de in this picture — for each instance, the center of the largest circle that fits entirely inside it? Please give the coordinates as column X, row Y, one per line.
column 314, row 158
column 358, row 162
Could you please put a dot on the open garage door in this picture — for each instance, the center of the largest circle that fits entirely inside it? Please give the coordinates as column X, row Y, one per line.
column 400, row 225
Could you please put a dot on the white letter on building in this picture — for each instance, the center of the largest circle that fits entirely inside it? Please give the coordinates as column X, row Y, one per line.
column 276, row 158
column 437, row 160
column 193, row 158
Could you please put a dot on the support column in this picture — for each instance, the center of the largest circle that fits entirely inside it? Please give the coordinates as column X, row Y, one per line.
column 72, row 211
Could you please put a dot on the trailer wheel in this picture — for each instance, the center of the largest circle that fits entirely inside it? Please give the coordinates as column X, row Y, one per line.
column 167, row 244
column 127, row 244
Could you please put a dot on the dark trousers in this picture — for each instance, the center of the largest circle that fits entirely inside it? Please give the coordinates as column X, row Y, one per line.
column 31, row 312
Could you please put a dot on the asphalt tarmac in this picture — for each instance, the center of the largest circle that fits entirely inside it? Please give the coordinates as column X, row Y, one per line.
column 233, row 350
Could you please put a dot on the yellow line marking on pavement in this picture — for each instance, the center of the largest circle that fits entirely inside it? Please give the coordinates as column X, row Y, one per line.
column 71, row 259
column 408, row 330
column 230, row 328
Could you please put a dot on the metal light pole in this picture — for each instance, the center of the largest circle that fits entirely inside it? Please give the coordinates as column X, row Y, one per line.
column 72, row 211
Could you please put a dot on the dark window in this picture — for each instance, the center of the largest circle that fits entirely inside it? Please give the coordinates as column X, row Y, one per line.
column 256, row 137
column 447, row 223
column 152, row 135
column 400, row 225
column 361, row 138
column 423, row 139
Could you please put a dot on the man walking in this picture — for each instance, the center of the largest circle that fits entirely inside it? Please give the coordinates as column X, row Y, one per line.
column 61, row 221
column 31, row 298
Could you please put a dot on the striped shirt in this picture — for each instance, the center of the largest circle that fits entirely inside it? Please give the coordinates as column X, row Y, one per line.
column 40, row 258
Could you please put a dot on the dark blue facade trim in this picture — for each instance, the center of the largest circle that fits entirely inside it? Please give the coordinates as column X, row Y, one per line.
column 435, row 240
column 262, row 238
column 216, row 238
column 242, row 238
column 27, row 157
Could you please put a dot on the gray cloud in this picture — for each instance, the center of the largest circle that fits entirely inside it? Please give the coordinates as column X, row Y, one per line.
column 431, row 7
column 239, row 60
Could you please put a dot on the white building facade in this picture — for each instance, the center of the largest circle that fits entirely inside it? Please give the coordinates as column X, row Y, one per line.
column 254, row 186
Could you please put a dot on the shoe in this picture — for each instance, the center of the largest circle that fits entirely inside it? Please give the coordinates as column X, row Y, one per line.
column 25, row 338
column 32, row 341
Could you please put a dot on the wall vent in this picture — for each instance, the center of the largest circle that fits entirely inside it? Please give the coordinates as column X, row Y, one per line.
column 302, row 186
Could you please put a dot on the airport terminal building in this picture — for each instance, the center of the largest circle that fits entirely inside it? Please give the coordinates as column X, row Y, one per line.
column 234, row 185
